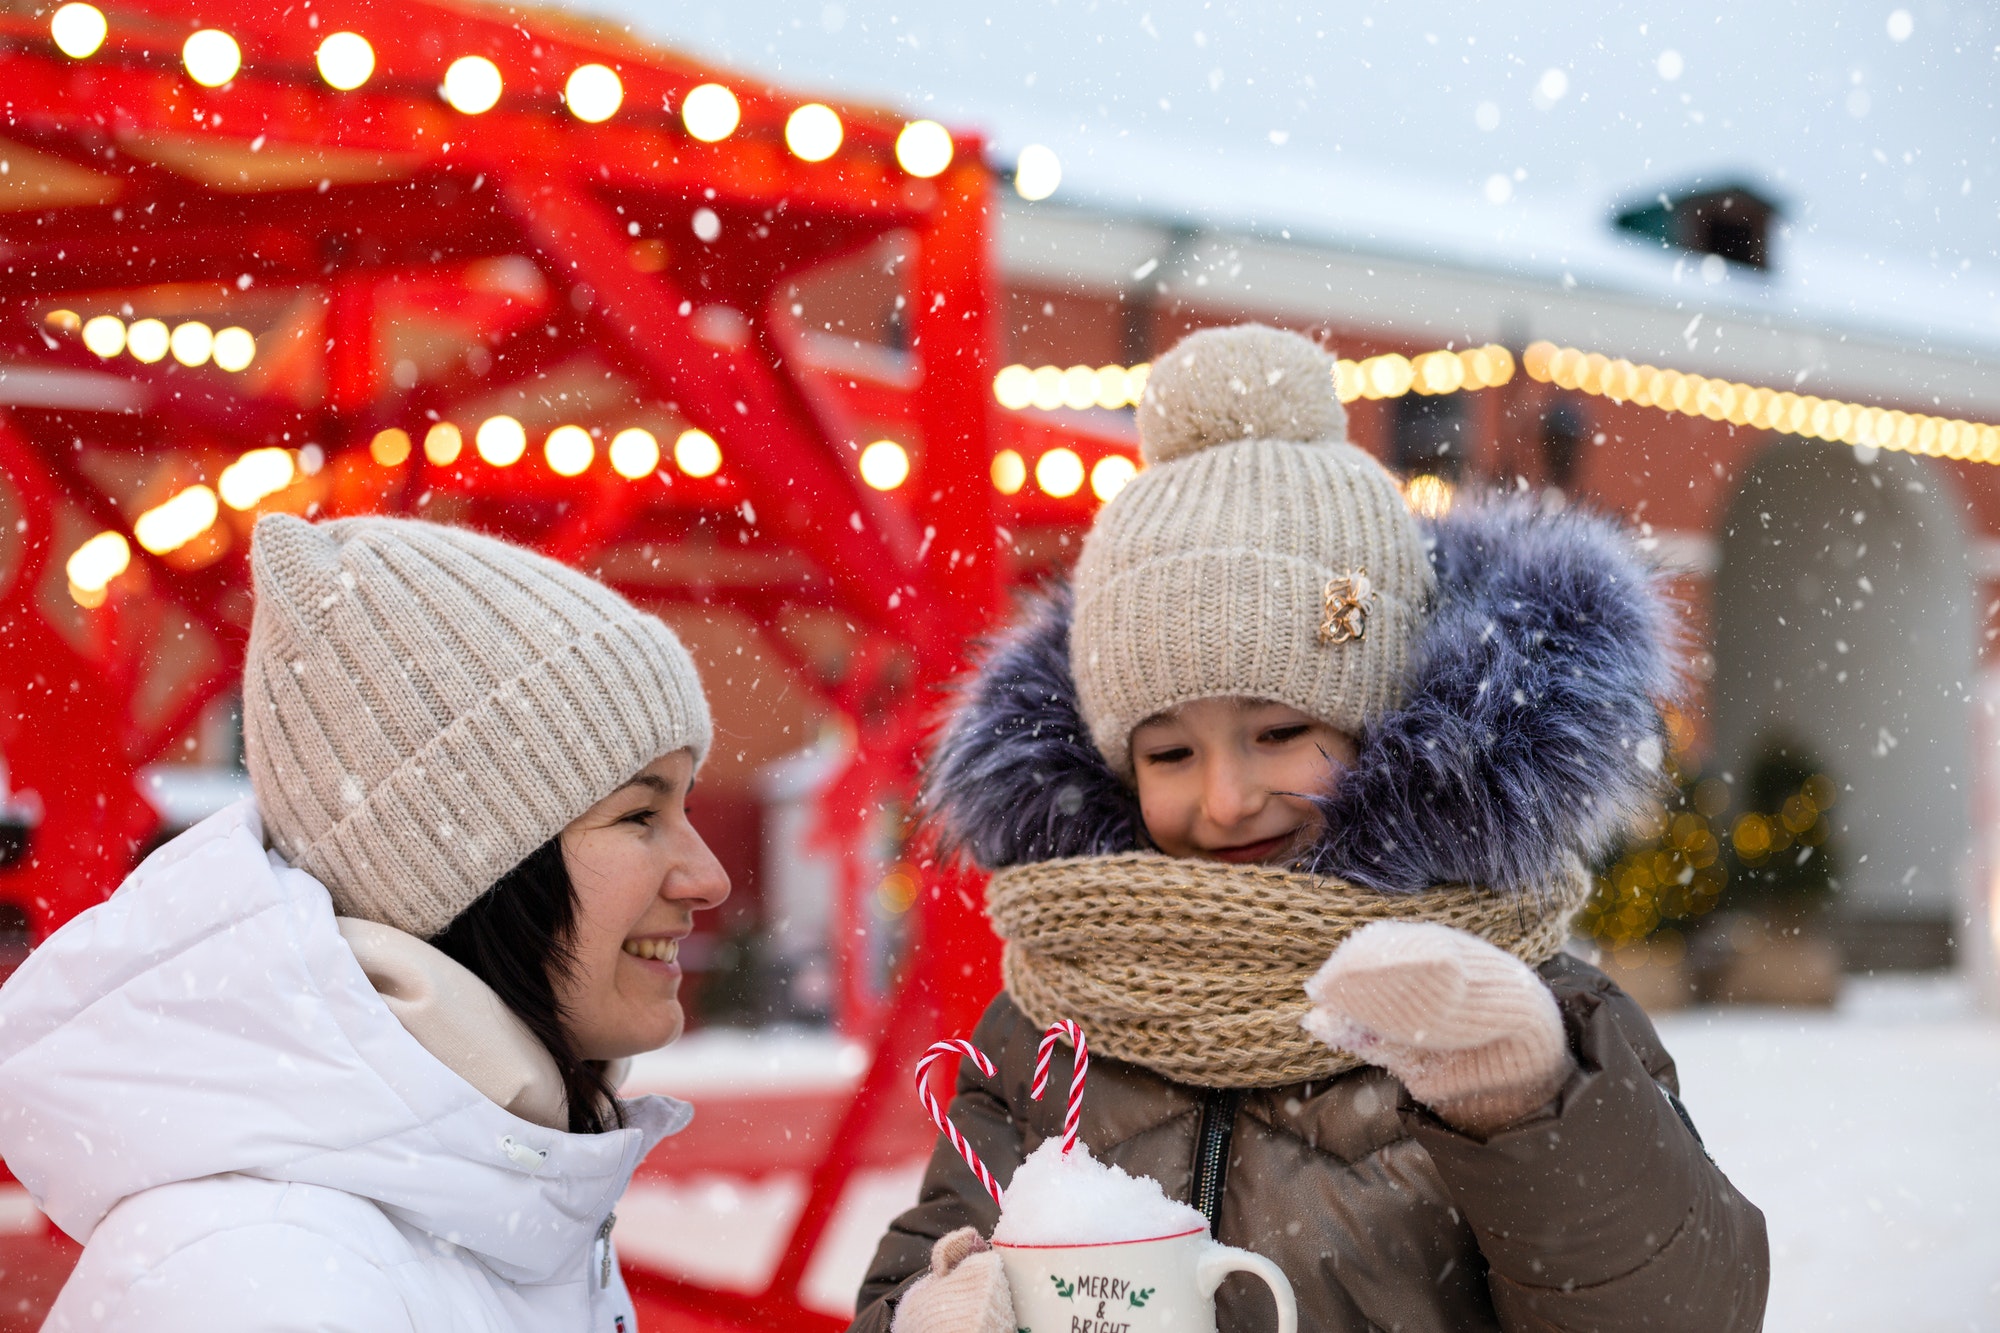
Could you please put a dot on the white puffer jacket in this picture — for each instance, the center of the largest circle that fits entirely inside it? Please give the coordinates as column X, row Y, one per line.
column 199, row 1084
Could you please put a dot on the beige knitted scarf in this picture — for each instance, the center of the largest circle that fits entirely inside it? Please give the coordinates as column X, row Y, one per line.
column 1196, row 970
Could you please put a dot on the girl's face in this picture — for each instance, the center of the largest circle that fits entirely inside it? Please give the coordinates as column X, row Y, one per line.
column 641, row 873
column 1226, row 779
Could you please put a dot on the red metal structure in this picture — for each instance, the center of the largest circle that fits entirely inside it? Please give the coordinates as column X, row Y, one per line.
column 602, row 274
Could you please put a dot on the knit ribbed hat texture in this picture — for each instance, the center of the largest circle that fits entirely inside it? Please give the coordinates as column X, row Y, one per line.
column 424, row 706
column 1258, row 554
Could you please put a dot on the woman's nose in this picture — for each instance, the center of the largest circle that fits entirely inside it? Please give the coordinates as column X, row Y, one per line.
column 699, row 881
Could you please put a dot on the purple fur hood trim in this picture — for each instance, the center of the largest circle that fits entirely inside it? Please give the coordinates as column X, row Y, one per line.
column 1529, row 729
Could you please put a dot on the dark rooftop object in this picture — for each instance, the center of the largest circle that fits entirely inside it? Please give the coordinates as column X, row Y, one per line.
column 1733, row 221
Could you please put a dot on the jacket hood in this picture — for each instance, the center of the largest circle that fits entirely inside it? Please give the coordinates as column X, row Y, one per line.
column 209, row 1018
column 1528, row 730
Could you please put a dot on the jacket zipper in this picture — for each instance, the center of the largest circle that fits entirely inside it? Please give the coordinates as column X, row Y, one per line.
column 604, row 1239
column 1211, row 1153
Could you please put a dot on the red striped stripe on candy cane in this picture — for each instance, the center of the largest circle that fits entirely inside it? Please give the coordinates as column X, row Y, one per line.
column 1079, row 1071
column 937, row 1052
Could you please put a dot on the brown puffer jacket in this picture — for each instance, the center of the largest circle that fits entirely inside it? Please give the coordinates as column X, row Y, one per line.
column 1603, row 1214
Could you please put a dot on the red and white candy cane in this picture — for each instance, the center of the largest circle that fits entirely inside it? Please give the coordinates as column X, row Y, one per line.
column 937, row 1052
column 1079, row 1071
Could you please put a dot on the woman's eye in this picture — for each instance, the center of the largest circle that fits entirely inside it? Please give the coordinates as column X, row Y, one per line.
column 1279, row 735
column 638, row 817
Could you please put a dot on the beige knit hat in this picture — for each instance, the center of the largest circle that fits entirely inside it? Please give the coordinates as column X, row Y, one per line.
column 1258, row 554
column 424, row 706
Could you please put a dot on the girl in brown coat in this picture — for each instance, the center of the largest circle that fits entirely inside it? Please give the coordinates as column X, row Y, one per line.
column 1285, row 806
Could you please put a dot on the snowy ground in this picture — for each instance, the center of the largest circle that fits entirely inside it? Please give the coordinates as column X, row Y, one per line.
column 1870, row 1137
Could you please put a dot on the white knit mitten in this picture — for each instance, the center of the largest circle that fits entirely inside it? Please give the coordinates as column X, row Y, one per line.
column 1468, row 1028
column 965, row 1291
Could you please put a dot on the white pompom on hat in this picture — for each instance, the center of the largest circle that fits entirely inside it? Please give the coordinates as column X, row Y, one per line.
column 1259, row 554
column 423, row 706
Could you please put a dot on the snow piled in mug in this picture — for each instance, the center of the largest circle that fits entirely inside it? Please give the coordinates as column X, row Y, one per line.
column 1078, row 1200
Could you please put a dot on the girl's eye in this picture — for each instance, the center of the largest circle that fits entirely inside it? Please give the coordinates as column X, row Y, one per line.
column 1170, row 756
column 1279, row 735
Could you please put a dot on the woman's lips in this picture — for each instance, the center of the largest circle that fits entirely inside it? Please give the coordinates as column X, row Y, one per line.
column 1252, row 851
column 660, row 949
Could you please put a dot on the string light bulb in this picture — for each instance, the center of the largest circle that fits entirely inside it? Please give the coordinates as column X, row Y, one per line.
column 192, row 343
column 168, row 527
column 635, row 453
column 1037, row 172
column 1010, row 472
column 885, row 465
column 235, row 348
column 1110, row 476
column 79, row 30
column 443, row 443
column 472, row 85
column 593, row 93
column 345, row 60
column 93, row 565
column 924, row 148
column 1059, row 472
column 569, row 451
column 500, row 440
column 697, row 454
column 104, row 335
column 147, row 340
column 264, row 472
column 211, row 57
column 813, row 132
column 710, row 112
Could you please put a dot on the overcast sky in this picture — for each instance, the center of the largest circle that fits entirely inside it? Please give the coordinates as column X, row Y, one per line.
column 1874, row 120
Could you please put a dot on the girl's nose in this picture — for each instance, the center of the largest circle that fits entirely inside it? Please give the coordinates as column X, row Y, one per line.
column 1228, row 795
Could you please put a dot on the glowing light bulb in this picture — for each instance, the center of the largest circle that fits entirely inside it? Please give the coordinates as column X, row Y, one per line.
column 105, row 335
column 1390, row 376
column 1114, row 387
column 1048, row 388
column 1079, row 387
column 697, row 454
column 1013, row 387
column 501, row 441
column 192, row 343
column 472, row 85
column 710, row 112
column 78, row 31
column 569, row 450
column 345, row 60
column 1427, row 495
column 593, row 93
column 94, row 564
column 443, row 443
column 262, row 472
column 924, row 148
column 235, row 348
column 813, row 132
column 212, row 57
column 885, row 465
column 389, row 448
column 635, row 453
column 147, row 340
column 1348, row 381
column 1037, row 172
column 170, row 526
column 1535, row 360
column 1010, row 473
column 1059, row 472
column 1110, row 476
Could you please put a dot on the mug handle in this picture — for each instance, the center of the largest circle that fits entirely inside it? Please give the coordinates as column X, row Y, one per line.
column 1219, row 1261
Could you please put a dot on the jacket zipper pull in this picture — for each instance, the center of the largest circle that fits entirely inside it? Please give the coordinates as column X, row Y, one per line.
column 604, row 1239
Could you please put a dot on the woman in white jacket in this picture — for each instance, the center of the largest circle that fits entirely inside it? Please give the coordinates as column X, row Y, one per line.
column 342, row 1057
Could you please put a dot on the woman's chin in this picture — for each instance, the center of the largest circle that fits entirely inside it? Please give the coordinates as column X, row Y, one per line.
column 661, row 1026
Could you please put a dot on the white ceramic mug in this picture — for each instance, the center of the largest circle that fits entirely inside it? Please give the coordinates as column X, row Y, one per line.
column 1162, row 1285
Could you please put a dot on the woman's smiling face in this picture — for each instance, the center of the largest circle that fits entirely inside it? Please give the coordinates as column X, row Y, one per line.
column 640, row 872
column 1227, row 779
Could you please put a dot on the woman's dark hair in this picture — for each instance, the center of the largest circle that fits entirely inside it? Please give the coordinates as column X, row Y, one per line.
column 517, row 938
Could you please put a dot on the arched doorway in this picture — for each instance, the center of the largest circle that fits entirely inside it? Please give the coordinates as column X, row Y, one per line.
column 1844, row 629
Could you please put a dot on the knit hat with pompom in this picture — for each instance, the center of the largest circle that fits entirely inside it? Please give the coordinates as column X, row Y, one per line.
column 1258, row 554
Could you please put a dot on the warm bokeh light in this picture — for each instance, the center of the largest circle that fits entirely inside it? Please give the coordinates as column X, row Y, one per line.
column 1037, row 172
column 66, row 321
column 1050, row 387
column 1427, row 495
column 170, row 526
column 1010, row 473
column 813, row 132
column 390, row 448
column 262, row 472
column 635, row 453
column 212, row 57
column 94, row 564
column 1110, row 475
column 924, row 148
column 78, row 30
column 501, row 441
column 235, row 348
column 105, row 335
column 710, row 112
column 569, row 450
column 345, row 60
column 1079, row 387
column 697, row 454
column 593, row 93
column 1059, row 472
column 472, row 85
column 1013, row 387
column 885, row 465
column 192, row 343
column 147, row 340
column 443, row 443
